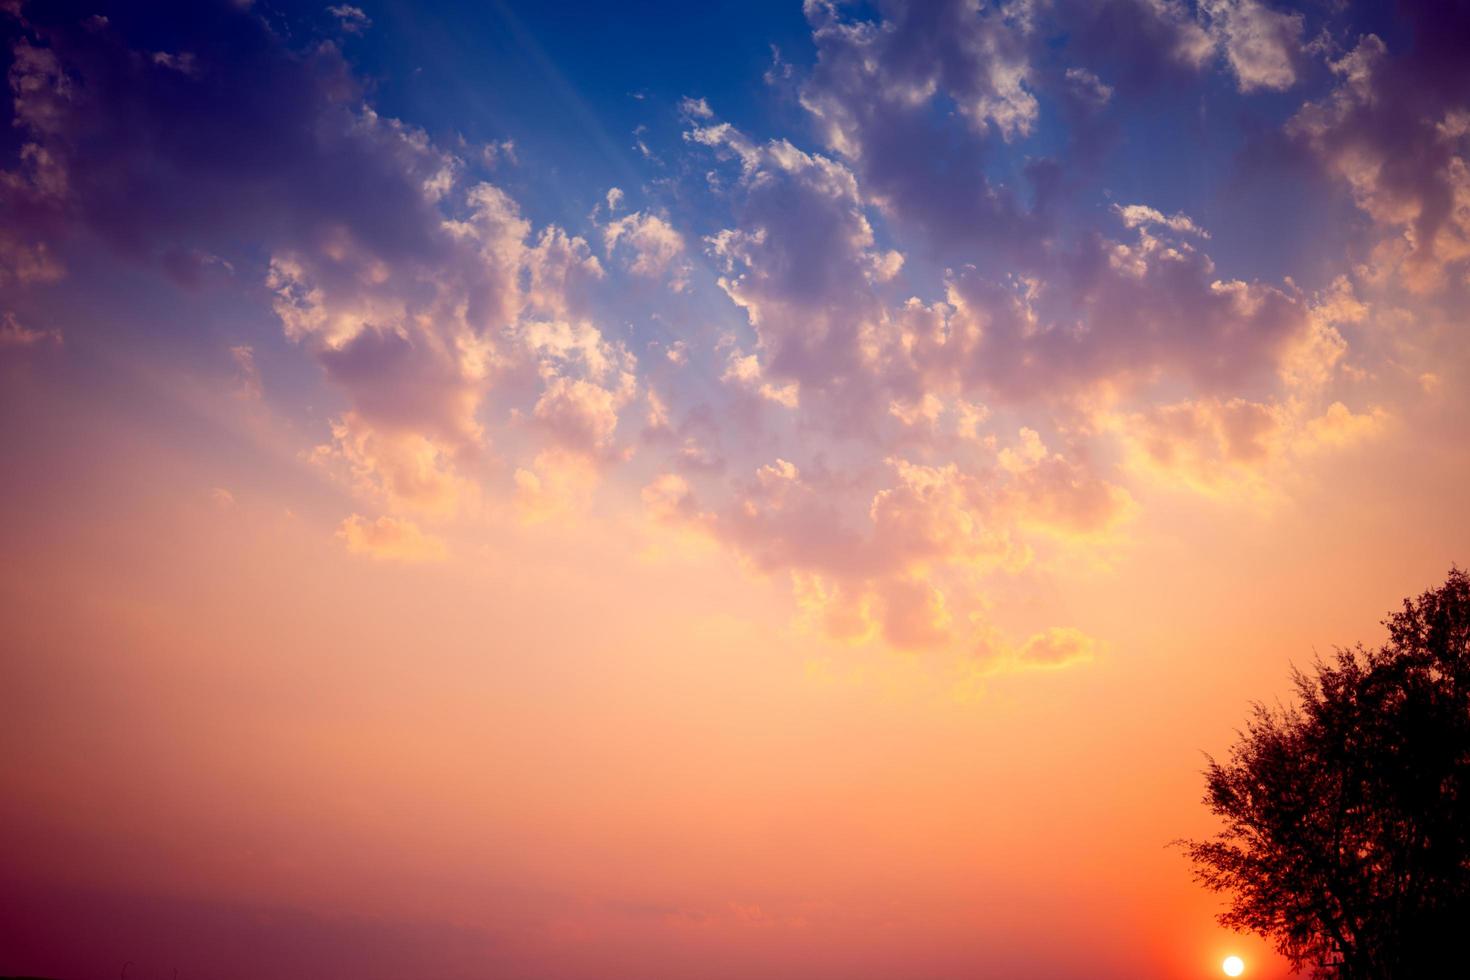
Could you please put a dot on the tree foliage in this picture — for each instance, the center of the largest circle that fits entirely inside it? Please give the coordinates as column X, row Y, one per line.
column 1346, row 836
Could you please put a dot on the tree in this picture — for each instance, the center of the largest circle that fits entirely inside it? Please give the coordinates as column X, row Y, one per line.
column 1346, row 836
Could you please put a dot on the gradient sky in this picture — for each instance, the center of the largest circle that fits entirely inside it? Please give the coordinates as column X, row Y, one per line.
column 705, row 490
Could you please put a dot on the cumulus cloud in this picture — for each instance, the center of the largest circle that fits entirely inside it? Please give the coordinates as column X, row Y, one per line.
column 1141, row 215
column 400, row 303
column 581, row 414
column 586, row 382
column 1120, row 312
column 801, row 262
column 1340, row 426
column 934, row 367
column 903, row 570
column 1261, row 45
column 875, row 92
column 1237, row 448
column 935, row 514
column 402, row 366
column 651, row 243
column 1059, row 495
column 1098, row 319
column 1395, row 131
column 413, row 320
column 404, row 469
column 744, row 372
column 410, row 289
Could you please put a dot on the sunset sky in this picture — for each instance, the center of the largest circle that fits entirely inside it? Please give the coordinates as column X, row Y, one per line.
column 696, row 490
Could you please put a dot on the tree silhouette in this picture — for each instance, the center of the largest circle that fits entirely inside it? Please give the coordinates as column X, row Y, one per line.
column 1347, row 820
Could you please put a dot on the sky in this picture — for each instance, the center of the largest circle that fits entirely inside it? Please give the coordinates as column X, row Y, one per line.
column 651, row 490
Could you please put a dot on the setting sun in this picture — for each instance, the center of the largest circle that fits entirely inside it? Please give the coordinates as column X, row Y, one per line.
column 1233, row 966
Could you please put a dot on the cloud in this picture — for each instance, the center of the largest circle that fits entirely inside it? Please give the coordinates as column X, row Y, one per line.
column 399, row 302
column 914, row 615
column 390, row 539
column 905, row 569
column 562, row 268
column 1395, row 131
column 1058, row 495
column 407, row 287
column 555, row 484
column 1262, row 45
column 877, row 92
column 653, row 244
column 15, row 335
column 580, row 414
column 1139, row 45
column 351, row 19
column 1088, row 86
column 1141, row 215
column 744, row 371
column 692, row 108
column 31, row 196
column 801, row 262
column 25, row 262
column 247, row 374
column 1053, row 649
column 1210, row 445
column 921, row 413
column 1339, row 426
column 406, row 378
column 973, row 56
column 404, row 469
column 1237, row 447
column 285, row 132
column 184, row 62
column 1116, row 312
column 936, row 366
column 934, row 514
column 586, row 382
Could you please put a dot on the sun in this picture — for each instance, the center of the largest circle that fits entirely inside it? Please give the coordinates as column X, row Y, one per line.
column 1233, row 966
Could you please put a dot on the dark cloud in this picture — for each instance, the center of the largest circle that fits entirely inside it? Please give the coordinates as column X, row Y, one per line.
column 232, row 137
column 1138, row 46
column 920, row 104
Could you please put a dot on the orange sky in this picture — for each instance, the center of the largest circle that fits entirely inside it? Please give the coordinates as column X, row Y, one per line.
column 602, row 742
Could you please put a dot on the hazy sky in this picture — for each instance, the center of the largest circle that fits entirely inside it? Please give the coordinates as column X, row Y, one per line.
column 705, row 490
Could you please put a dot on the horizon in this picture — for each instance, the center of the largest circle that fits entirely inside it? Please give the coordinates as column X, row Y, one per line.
column 560, row 491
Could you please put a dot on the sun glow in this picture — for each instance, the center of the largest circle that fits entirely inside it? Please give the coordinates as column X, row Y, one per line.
column 1233, row 966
